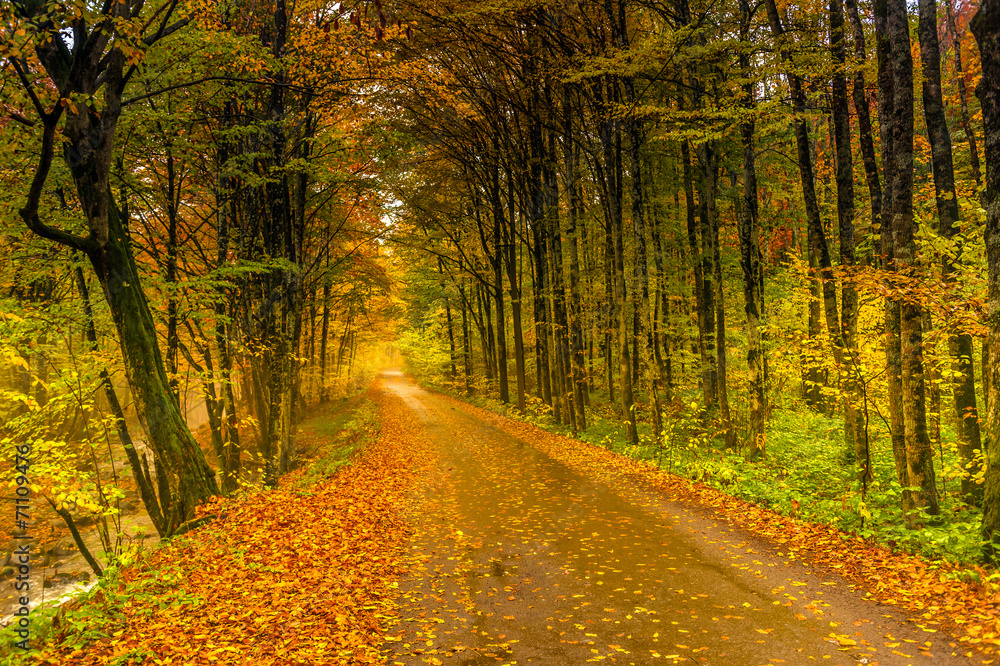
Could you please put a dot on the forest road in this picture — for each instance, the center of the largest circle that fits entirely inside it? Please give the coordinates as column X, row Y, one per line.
column 516, row 558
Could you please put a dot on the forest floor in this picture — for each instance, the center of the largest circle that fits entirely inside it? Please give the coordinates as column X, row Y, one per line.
column 462, row 537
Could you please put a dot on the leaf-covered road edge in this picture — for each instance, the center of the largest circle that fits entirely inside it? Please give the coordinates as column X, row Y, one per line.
column 289, row 576
column 967, row 609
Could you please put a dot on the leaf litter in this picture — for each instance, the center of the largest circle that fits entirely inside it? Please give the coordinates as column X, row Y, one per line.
column 381, row 561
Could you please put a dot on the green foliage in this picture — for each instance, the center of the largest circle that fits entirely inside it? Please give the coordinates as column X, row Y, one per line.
column 52, row 402
column 805, row 475
column 426, row 355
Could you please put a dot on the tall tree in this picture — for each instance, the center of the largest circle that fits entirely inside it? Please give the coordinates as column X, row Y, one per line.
column 750, row 256
column 77, row 97
column 986, row 28
column 959, row 343
column 919, row 455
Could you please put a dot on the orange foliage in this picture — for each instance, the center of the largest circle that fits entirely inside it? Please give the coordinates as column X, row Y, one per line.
column 282, row 577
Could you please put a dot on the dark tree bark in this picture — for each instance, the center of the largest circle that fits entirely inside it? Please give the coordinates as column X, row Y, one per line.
column 613, row 158
column 496, row 261
column 324, row 335
column 514, row 287
column 452, row 370
column 536, row 193
column 959, row 343
column 855, row 433
column 571, row 155
column 171, row 200
column 986, row 28
column 140, row 472
column 708, row 393
column 466, row 340
column 484, row 296
column 706, row 256
column 861, row 107
column 750, row 257
column 919, row 460
column 886, row 104
column 562, row 367
column 610, row 135
column 644, row 328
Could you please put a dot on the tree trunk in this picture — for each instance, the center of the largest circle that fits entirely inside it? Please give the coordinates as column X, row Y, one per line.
column 466, row 341
column 919, row 460
column 986, row 28
column 571, row 155
column 324, row 334
column 819, row 253
column 612, row 143
column 708, row 396
column 855, row 434
column 496, row 259
column 861, row 107
column 140, row 473
column 750, row 258
column 513, row 285
column 171, row 275
column 963, row 383
column 894, row 380
column 452, row 370
column 706, row 254
column 178, row 456
column 644, row 313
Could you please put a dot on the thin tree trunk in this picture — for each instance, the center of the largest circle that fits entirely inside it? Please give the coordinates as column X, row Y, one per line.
column 324, row 334
column 819, row 254
column 612, row 143
column 861, row 107
column 708, row 397
column 894, row 380
column 560, row 329
column 706, row 201
column 171, row 275
column 490, row 345
column 854, row 431
column 496, row 259
column 750, row 258
column 515, row 294
column 466, row 340
column 571, row 154
column 644, row 314
column 963, row 95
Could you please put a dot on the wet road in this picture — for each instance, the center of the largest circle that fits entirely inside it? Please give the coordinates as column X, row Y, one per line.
column 519, row 559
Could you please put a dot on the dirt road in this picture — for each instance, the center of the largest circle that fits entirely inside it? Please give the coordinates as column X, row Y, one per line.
column 519, row 559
